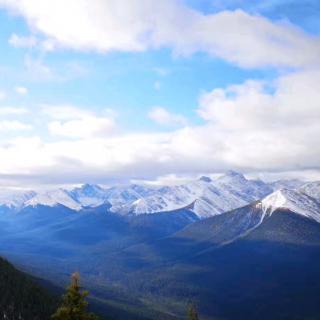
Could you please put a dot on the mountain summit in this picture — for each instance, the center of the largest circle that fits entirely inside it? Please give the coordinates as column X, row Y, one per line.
column 294, row 201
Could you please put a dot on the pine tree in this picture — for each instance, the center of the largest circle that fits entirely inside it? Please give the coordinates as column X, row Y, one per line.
column 74, row 305
column 192, row 312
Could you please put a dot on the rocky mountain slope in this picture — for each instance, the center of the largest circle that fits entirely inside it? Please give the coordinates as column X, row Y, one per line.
column 205, row 197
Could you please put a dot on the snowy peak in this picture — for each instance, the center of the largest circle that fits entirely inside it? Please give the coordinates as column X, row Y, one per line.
column 232, row 173
column 123, row 195
column 54, row 198
column 286, row 184
column 248, row 190
column 232, row 176
column 205, row 196
column 89, row 195
column 14, row 200
column 89, row 189
column 311, row 189
column 292, row 200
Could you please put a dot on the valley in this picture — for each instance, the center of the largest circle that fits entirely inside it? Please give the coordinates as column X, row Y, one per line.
column 233, row 243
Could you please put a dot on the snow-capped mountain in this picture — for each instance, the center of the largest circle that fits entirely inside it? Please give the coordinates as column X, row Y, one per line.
column 205, row 197
column 248, row 190
column 15, row 199
column 286, row 184
column 311, row 189
column 292, row 200
column 54, row 198
column 88, row 195
column 121, row 195
column 280, row 206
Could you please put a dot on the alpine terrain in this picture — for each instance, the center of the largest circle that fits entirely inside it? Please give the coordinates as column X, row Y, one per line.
column 226, row 244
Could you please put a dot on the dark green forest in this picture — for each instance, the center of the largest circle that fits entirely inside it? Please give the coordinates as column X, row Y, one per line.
column 21, row 297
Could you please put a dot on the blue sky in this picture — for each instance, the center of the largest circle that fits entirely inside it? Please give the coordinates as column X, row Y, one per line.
column 151, row 78
column 186, row 82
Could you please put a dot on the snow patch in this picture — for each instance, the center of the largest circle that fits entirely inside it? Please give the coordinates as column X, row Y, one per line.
column 54, row 198
column 292, row 200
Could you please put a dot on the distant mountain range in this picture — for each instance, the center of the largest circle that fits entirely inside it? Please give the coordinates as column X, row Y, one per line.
column 238, row 248
column 205, row 197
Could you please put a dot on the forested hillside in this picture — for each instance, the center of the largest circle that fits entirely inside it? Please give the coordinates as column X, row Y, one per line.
column 21, row 297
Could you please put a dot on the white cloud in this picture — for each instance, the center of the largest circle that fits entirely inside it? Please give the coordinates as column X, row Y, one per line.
column 82, row 128
column 13, row 125
column 291, row 100
column 73, row 122
column 12, row 111
column 273, row 128
column 105, row 25
column 22, row 41
column 166, row 180
column 238, row 106
column 21, row 90
column 63, row 112
column 163, row 116
column 31, row 42
column 253, row 127
column 37, row 69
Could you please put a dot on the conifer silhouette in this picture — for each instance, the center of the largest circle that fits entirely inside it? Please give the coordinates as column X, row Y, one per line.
column 192, row 312
column 74, row 304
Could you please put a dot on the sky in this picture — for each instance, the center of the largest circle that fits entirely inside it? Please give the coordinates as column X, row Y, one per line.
column 113, row 91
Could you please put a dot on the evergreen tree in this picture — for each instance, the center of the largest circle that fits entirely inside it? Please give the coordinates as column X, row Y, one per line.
column 192, row 312
column 74, row 305
column 22, row 297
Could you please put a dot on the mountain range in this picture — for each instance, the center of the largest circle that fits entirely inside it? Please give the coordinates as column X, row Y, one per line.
column 238, row 248
column 205, row 197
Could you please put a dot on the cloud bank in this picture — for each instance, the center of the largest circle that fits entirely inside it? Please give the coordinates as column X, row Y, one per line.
column 254, row 126
column 137, row 25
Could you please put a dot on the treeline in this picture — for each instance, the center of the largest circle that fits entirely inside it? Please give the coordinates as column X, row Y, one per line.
column 74, row 305
column 21, row 298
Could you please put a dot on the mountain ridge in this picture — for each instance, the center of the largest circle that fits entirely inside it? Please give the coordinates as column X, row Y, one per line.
column 205, row 195
column 166, row 255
